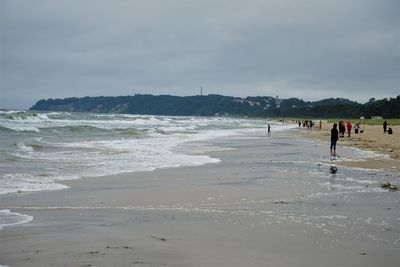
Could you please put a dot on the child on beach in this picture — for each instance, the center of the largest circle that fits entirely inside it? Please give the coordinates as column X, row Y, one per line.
column 334, row 139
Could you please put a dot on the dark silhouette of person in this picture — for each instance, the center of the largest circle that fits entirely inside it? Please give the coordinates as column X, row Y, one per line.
column 385, row 124
column 334, row 139
column 342, row 128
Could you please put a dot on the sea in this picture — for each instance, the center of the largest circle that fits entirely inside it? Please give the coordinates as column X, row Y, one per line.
column 271, row 179
column 38, row 150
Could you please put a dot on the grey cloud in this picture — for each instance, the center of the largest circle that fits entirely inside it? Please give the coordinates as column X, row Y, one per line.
column 309, row 49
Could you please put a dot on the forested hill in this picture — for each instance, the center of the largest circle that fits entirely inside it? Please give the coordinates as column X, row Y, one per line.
column 211, row 105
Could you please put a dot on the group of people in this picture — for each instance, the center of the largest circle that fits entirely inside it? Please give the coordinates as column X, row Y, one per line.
column 348, row 126
column 309, row 124
column 336, row 133
column 340, row 131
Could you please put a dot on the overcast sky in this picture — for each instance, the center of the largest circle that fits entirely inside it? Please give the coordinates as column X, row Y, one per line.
column 310, row 49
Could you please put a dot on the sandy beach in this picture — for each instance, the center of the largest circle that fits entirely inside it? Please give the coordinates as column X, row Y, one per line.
column 271, row 201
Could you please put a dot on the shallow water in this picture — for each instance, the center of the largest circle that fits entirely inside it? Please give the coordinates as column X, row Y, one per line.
column 287, row 180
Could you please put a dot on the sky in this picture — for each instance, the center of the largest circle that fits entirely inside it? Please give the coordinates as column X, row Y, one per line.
column 309, row 49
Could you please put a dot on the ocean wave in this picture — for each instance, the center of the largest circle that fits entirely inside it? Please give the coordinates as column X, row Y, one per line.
column 57, row 113
column 91, row 129
column 131, row 132
column 28, row 182
column 19, row 116
column 142, row 120
column 8, row 218
column 2, row 112
column 19, row 128
column 24, row 148
column 80, row 145
column 80, row 128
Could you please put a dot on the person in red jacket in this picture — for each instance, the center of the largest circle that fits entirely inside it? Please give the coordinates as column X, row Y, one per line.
column 349, row 126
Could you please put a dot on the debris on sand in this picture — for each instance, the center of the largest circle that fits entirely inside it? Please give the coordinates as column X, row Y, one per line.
column 333, row 169
column 389, row 186
column 159, row 238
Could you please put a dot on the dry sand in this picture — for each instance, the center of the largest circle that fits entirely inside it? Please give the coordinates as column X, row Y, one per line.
column 372, row 139
column 227, row 214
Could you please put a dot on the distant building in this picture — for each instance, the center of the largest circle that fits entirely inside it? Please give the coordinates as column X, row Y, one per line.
column 376, row 117
column 278, row 102
column 243, row 100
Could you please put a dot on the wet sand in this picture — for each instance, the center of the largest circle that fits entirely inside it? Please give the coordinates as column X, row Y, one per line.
column 270, row 202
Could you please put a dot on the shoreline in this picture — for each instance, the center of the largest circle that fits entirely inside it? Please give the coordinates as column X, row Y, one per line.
column 373, row 139
column 251, row 209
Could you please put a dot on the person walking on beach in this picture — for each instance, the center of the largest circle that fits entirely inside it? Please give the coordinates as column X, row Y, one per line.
column 269, row 130
column 334, row 139
column 349, row 126
column 385, row 124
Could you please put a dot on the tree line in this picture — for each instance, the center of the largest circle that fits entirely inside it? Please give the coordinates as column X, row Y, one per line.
column 212, row 105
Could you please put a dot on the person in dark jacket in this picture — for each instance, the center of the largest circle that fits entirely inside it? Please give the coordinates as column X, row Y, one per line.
column 334, row 139
column 385, row 125
column 342, row 128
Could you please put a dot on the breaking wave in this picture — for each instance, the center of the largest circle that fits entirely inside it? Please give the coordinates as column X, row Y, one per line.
column 8, row 218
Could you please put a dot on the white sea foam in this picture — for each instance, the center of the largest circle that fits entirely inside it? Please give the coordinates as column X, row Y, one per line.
column 8, row 218
column 362, row 155
column 360, row 181
column 22, row 147
column 57, row 113
column 26, row 182
column 114, row 156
